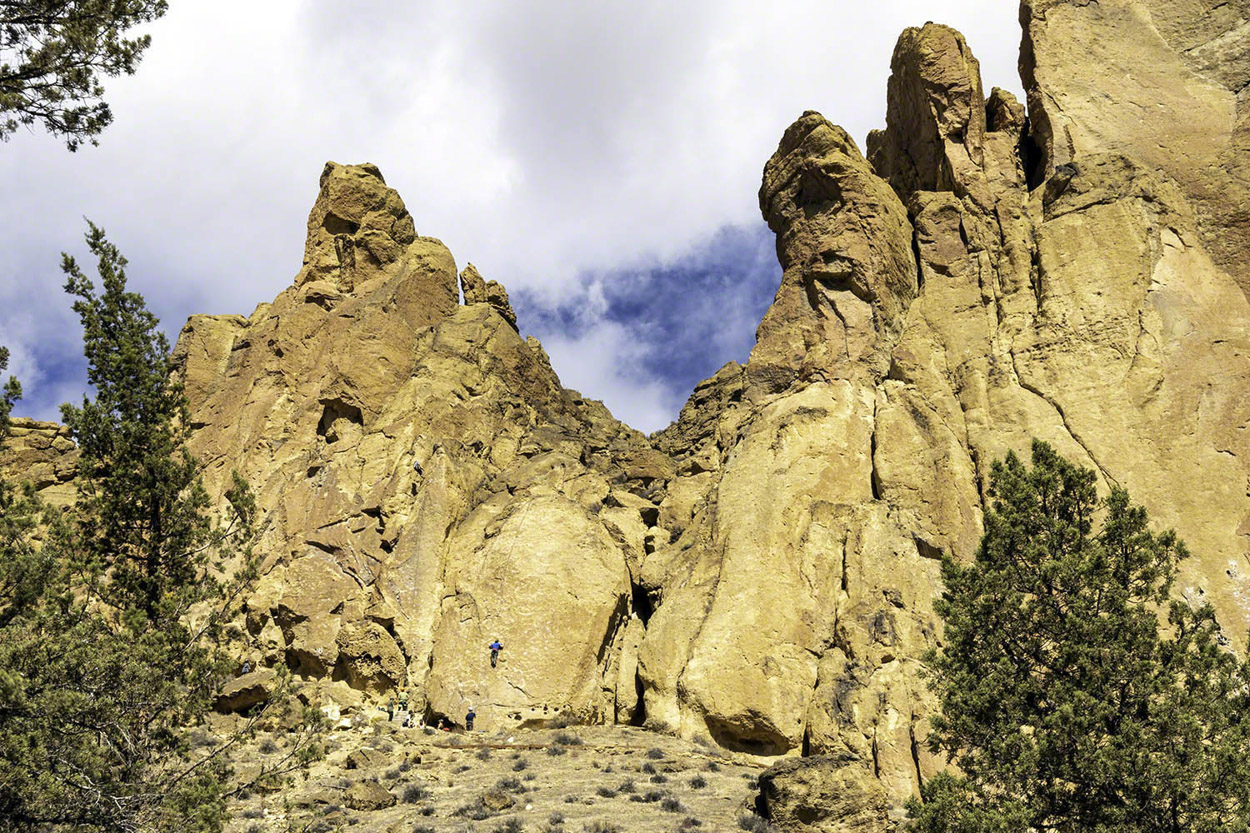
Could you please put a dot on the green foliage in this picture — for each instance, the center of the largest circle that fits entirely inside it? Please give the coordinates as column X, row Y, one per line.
column 112, row 653
column 53, row 54
column 1064, row 704
column 23, row 568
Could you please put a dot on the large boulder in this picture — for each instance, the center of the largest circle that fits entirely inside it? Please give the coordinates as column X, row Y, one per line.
column 369, row 657
column 824, row 794
column 247, row 691
column 368, row 796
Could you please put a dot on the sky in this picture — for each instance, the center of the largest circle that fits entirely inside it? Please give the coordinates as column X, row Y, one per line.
column 601, row 160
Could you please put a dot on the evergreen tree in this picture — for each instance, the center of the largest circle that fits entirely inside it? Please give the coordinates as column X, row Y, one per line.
column 23, row 568
column 53, row 54
column 1064, row 704
column 103, row 669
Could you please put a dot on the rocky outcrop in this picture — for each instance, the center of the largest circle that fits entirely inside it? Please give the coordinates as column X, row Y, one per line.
column 1165, row 83
column 818, row 484
column 368, row 796
column 426, row 483
column 43, row 454
column 763, row 571
column 479, row 291
column 824, row 794
column 247, row 691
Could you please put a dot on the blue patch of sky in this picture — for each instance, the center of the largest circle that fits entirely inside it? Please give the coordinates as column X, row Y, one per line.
column 690, row 315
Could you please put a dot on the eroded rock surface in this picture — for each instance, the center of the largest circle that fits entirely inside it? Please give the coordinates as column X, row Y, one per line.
column 762, row 572
column 43, row 454
column 1166, row 83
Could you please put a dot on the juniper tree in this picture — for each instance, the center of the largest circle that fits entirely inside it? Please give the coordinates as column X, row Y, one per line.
column 23, row 568
column 117, row 654
column 53, row 54
column 1064, row 703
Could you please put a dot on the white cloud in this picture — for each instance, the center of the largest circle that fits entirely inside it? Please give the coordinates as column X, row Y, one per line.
column 546, row 142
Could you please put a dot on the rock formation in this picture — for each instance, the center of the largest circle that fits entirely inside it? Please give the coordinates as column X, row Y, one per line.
column 43, row 454
column 762, row 572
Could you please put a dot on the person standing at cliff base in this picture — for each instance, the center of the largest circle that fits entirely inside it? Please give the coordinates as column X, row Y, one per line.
column 468, row 720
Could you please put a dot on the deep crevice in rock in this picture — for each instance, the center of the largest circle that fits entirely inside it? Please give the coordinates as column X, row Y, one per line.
column 640, row 709
column 643, row 604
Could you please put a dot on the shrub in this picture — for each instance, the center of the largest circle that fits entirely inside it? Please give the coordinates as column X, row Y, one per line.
column 652, row 796
column 482, row 754
column 659, row 778
column 268, row 747
column 476, row 810
column 671, row 805
column 567, row 739
column 512, row 825
column 555, row 819
column 606, row 792
column 698, row 782
column 510, row 784
column 712, row 766
column 626, row 786
column 413, row 793
column 689, row 823
column 602, row 827
column 423, row 828
column 754, row 824
column 648, row 768
column 655, row 753
column 519, row 764
column 553, row 751
column 199, row 739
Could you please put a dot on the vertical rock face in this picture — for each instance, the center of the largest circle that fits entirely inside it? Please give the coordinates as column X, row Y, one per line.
column 828, row 473
column 935, row 113
column 1166, row 83
column 426, row 483
column 43, row 454
column 844, row 243
column 762, row 572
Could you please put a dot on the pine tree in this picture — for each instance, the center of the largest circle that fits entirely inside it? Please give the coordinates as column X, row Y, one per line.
column 1064, row 704
column 52, row 55
column 23, row 567
column 104, row 668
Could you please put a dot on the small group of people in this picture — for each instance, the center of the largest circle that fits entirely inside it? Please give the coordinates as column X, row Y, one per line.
column 407, row 719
